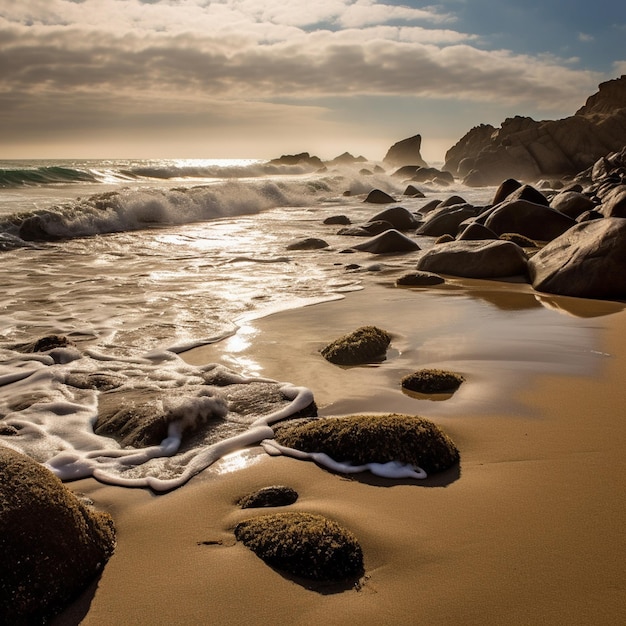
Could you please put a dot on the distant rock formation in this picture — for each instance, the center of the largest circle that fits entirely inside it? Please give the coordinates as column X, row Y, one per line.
column 525, row 149
column 405, row 152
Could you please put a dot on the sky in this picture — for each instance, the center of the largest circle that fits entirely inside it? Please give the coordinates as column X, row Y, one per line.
column 261, row 78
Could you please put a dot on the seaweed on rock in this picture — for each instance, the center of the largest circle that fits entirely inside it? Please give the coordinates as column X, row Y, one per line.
column 367, row 439
column 430, row 381
column 303, row 544
column 364, row 345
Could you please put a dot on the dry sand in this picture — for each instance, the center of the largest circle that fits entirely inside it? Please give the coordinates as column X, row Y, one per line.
column 529, row 530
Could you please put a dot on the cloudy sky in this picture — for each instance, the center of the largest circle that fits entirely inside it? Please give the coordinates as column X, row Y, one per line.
column 259, row 78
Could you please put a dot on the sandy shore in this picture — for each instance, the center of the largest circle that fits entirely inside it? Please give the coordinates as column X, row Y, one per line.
column 529, row 530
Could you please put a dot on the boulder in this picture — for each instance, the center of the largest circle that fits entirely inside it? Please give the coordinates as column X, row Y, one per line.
column 432, row 381
column 475, row 259
column 388, row 242
column 536, row 221
column 309, row 243
column 399, row 218
column 377, row 196
column 475, row 232
column 53, row 545
column 572, row 203
column 431, row 174
column 302, row 158
column 413, row 192
column 446, row 220
column 405, row 152
column 528, row 192
column 614, row 203
column 588, row 261
column 341, row 220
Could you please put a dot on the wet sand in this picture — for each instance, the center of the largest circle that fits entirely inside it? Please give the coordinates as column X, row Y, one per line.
column 528, row 530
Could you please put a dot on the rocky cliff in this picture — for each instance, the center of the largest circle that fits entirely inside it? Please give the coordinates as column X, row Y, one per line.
column 526, row 149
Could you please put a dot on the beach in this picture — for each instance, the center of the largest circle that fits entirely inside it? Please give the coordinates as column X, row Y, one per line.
column 527, row 530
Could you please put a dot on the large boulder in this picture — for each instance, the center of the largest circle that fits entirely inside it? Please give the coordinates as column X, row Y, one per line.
column 526, row 149
column 535, row 221
column 588, row 261
column 572, row 203
column 475, row 259
column 405, row 152
column 52, row 544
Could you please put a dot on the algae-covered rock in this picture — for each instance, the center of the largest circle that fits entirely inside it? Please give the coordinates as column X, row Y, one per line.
column 303, row 544
column 362, row 439
column 432, row 381
column 52, row 545
column 364, row 345
column 276, row 495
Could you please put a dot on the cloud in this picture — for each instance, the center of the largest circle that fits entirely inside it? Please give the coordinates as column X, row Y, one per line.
column 82, row 67
column 585, row 38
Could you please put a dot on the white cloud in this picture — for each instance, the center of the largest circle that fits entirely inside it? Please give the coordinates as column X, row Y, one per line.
column 585, row 38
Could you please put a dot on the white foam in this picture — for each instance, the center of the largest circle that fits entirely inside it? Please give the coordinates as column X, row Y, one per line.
column 392, row 469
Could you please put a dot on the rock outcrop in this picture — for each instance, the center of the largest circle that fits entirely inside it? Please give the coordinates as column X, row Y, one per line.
column 405, row 152
column 526, row 149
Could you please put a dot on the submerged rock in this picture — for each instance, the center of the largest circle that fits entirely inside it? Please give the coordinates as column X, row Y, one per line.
column 52, row 544
column 276, row 495
column 303, row 544
column 364, row 345
column 361, row 439
column 309, row 243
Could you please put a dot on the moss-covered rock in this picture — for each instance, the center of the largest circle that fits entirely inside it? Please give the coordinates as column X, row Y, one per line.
column 52, row 544
column 432, row 381
column 361, row 439
column 365, row 345
column 303, row 544
column 276, row 495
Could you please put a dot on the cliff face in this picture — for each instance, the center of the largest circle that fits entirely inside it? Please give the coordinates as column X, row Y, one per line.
column 525, row 149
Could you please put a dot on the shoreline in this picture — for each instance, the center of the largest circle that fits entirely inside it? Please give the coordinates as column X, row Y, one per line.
column 528, row 530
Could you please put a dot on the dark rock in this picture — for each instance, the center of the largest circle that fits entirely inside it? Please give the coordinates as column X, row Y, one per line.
column 451, row 201
column 429, row 174
column 388, row 242
column 446, row 220
column 527, row 192
column 276, row 495
column 303, row 544
column 399, row 218
column 414, row 192
column 302, row 158
column 535, row 221
column 405, row 152
column 614, row 203
column 572, row 203
column 364, row 345
column 520, row 240
column 430, row 206
column 347, row 159
column 354, row 231
column 589, row 215
column 360, row 439
column 141, row 417
column 588, row 261
column 342, row 220
column 475, row 231
column 52, row 544
column 376, row 196
column 475, row 259
column 444, row 239
column 375, row 227
column 310, row 243
column 432, row 381
column 419, row 279
column 45, row 344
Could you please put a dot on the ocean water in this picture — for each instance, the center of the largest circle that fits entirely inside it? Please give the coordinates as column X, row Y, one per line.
column 137, row 261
